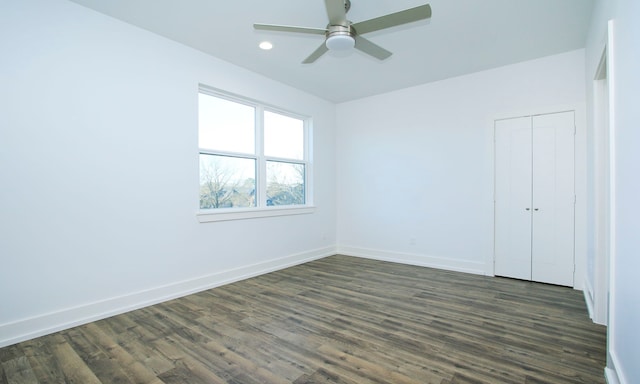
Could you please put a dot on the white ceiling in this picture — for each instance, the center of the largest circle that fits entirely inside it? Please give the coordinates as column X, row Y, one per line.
column 463, row 36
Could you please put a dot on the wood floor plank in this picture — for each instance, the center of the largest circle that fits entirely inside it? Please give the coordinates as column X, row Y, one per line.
column 19, row 371
column 3, row 376
column 45, row 366
column 187, row 368
column 135, row 340
column 74, row 368
column 212, row 352
column 96, row 359
column 134, row 370
column 335, row 320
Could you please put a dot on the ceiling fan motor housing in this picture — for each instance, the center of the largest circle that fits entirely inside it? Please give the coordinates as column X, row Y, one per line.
column 340, row 38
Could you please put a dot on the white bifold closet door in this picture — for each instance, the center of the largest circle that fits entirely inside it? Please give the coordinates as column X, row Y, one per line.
column 535, row 198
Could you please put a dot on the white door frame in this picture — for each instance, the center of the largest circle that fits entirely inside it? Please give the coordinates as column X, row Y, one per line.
column 597, row 296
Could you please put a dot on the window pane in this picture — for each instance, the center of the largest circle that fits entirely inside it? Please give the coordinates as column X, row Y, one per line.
column 285, row 183
column 224, row 125
column 227, row 182
column 283, row 136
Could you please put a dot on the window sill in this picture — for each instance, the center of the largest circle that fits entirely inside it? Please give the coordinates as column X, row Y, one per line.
column 211, row 215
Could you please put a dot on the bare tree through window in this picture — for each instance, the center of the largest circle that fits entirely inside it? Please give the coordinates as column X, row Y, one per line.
column 226, row 182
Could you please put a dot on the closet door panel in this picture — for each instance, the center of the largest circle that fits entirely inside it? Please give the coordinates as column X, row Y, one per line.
column 552, row 246
column 513, row 198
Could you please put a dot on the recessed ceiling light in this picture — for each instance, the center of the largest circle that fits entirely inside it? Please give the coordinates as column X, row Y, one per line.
column 266, row 45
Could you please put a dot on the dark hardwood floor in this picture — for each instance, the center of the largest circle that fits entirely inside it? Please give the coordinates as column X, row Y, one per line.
column 335, row 320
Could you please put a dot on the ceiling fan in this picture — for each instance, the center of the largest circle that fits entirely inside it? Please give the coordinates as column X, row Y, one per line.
column 341, row 34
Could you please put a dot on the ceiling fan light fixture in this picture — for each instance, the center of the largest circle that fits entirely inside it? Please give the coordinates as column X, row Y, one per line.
column 340, row 42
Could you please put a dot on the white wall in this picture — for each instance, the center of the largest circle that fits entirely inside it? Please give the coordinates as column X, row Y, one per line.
column 99, row 171
column 415, row 167
column 624, row 310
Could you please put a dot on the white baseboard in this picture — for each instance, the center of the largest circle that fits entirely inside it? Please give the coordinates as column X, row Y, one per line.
column 588, row 298
column 613, row 372
column 476, row 268
column 611, row 376
column 29, row 328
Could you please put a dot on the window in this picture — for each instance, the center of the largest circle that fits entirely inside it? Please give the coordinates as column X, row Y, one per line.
column 252, row 157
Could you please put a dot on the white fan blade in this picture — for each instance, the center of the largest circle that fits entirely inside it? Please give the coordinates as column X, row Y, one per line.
column 393, row 19
column 372, row 49
column 287, row 28
column 316, row 54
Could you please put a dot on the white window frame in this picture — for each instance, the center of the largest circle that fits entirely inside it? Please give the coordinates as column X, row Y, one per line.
column 261, row 209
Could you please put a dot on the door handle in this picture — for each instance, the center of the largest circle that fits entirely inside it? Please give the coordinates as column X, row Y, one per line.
column 528, row 209
column 536, row 209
